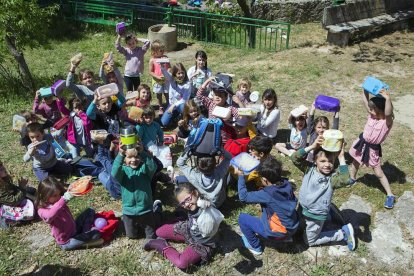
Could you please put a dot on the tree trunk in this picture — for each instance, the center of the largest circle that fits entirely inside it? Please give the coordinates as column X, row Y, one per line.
column 24, row 70
column 251, row 31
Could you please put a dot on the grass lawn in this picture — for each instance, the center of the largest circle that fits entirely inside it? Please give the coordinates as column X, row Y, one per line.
column 298, row 75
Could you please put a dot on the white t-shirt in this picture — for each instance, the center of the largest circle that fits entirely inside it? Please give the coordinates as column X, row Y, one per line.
column 268, row 124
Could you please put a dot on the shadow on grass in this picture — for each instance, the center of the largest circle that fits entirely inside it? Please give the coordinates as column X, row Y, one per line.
column 361, row 223
column 55, row 270
column 394, row 175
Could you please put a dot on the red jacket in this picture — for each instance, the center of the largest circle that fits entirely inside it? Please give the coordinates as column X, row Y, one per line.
column 236, row 146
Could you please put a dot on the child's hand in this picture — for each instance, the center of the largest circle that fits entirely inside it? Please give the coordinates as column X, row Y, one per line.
column 96, row 98
column 384, row 94
column 38, row 94
column 312, row 109
column 67, row 196
column 122, row 150
column 237, row 171
column 180, row 123
column 31, row 150
column 23, row 182
column 318, row 142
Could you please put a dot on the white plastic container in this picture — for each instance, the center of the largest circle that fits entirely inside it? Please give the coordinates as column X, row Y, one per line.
column 162, row 60
column 19, row 122
column 107, row 90
column 247, row 111
column 332, row 140
column 131, row 95
column 254, row 96
column 298, row 111
column 221, row 112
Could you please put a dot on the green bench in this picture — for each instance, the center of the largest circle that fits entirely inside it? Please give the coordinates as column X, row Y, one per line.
column 102, row 14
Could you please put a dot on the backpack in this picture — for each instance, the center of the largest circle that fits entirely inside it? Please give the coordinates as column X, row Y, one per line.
column 207, row 139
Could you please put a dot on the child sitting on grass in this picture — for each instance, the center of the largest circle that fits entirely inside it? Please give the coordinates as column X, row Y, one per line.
column 30, row 117
column 315, row 194
column 106, row 115
column 239, row 144
column 48, row 108
column 200, row 241
column 134, row 169
column 260, row 148
column 208, row 177
column 53, row 209
column 298, row 135
column 43, row 155
column 279, row 220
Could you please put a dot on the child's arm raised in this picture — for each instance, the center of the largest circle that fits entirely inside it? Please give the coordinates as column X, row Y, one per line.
column 365, row 99
column 311, row 120
column 388, row 112
column 335, row 124
column 341, row 178
column 249, row 197
column 91, row 111
column 224, row 165
column 60, row 102
column 298, row 157
column 117, row 172
column 118, row 46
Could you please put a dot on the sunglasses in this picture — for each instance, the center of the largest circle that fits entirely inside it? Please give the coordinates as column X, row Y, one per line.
column 186, row 201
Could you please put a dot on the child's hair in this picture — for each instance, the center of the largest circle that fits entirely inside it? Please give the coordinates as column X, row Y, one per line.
column 85, row 72
column 186, row 114
column 320, row 151
column 179, row 67
column 76, row 103
column 261, row 144
column 377, row 103
column 206, row 165
column 244, row 82
column 46, row 189
column 129, row 37
column 133, row 151
column 293, row 119
column 185, row 186
column 271, row 169
column 148, row 111
column 28, row 115
column 157, row 46
column 146, row 87
column 270, row 94
column 203, row 55
column 322, row 120
column 35, row 127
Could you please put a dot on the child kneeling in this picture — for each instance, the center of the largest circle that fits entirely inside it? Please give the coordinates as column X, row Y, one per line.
column 279, row 220
column 315, row 194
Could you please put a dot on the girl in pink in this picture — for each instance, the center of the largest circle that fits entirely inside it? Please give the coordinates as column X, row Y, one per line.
column 46, row 107
column 79, row 127
column 53, row 209
column 366, row 150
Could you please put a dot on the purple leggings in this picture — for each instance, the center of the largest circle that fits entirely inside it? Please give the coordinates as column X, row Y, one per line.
column 181, row 260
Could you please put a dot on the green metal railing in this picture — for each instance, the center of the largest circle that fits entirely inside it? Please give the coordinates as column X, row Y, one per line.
column 240, row 32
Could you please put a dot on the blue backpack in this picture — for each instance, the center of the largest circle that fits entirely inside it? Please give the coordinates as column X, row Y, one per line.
column 207, row 139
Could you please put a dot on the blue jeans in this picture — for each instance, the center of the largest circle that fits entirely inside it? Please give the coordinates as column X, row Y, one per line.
column 167, row 116
column 84, row 234
column 250, row 226
column 105, row 177
column 60, row 167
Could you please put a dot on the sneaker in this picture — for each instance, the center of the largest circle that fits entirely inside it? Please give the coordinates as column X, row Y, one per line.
column 349, row 237
column 157, row 206
column 255, row 251
column 389, row 202
column 351, row 182
column 156, row 244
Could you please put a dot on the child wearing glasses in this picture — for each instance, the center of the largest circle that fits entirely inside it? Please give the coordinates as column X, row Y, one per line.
column 200, row 239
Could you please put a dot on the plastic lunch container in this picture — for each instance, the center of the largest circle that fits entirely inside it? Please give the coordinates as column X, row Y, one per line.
column 107, row 90
column 245, row 162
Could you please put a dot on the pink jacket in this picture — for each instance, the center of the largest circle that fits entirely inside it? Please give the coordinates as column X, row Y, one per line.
column 87, row 123
column 60, row 219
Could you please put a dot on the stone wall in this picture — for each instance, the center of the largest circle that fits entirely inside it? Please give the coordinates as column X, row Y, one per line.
column 293, row 11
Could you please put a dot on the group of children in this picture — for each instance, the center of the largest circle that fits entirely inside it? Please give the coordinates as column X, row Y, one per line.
column 131, row 172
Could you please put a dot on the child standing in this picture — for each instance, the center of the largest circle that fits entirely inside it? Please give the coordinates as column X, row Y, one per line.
column 48, row 108
column 208, row 177
column 298, row 135
column 79, row 127
column 134, row 60
column 367, row 149
column 158, row 79
column 43, row 155
column 199, row 73
column 269, row 116
column 315, row 194
column 279, row 220
column 179, row 90
column 53, row 209
column 134, row 171
column 200, row 245
column 242, row 97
